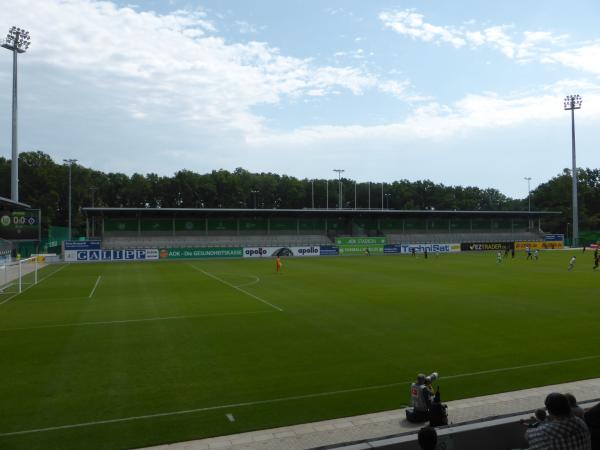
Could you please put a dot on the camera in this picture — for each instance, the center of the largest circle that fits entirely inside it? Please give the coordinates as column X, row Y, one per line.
column 431, row 378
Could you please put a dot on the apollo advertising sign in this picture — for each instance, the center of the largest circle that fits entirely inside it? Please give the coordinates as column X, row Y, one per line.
column 265, row 252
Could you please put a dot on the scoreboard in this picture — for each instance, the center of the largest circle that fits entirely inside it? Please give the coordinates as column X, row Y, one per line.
column 20, row 225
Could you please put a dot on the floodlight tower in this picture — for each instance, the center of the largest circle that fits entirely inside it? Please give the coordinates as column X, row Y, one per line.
column 17, row 41
column 70, row 162
column 339, row 172
column 573, row 102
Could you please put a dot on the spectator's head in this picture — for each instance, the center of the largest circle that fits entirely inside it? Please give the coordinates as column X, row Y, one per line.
column 572, row 400
column 427, row 438
column 540, row 414
column 557, row 405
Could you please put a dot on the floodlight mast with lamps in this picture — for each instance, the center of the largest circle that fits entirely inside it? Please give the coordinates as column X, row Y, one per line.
column 573, row 102
column 17, row 41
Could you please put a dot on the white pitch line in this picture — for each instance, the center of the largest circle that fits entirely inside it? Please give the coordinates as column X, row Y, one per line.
column 281, row 399
column 150, row 319
column 3, row 288
column 230, row 417
column 31, row 285
column 95, row 286
column 237, row 288
column 250, row 283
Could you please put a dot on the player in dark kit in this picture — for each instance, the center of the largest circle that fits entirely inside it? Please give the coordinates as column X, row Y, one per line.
column 596, row 260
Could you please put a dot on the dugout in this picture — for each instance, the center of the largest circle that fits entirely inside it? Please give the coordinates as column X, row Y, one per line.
column 140, row 222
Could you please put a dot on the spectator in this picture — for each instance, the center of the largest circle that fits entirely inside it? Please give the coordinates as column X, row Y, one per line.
column 562, row 430
column 575, row 409
column 427, row 438
column 592, row 419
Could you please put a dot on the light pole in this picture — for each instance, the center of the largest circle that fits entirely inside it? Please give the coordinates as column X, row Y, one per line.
column 339, row 172
column 382, row 195
column 70, row 162
column 528, row 201
column 573, row 102
column 369, row 194
column 326, row 194
column 354, row 194
column 312, row 193
column 567, row 235
column 93, row 191
column 17, row 41
column 254, row 192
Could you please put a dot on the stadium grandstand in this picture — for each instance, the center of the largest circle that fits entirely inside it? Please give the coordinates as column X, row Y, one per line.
column 201, row 227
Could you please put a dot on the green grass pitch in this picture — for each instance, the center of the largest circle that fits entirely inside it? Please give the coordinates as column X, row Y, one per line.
column 110, row 356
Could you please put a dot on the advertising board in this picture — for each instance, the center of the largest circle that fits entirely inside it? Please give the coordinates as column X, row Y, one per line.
column 539, row 245
column 83, row 245
column 554, row 237
column 390, row 249
column 265, row 252
column 431, row 248
column 20, row 225
column 328, row 250
column 360, row 241
column 373, row 249
column 485, row 246
column 201, row 253
column 111, row 255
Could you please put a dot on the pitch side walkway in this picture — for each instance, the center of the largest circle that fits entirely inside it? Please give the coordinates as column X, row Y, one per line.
column 368, row 426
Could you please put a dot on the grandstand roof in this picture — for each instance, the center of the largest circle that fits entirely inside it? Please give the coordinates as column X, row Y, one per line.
column 374, row 211
column 8, row 202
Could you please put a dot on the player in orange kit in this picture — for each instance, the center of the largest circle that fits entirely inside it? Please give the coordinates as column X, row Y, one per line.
column 278, row 263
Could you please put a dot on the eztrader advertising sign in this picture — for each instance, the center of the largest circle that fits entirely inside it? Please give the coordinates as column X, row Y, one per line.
column 200, row 253
column 485, row 246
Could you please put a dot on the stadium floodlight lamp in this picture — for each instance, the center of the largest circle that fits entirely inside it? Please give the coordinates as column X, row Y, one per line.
column 17, row 40
column 571, row 103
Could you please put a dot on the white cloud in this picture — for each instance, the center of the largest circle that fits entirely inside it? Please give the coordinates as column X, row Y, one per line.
column 531, row 45
column 437, row 122
column 172, row 64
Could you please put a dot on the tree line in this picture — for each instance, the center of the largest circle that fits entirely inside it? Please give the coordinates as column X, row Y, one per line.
column 44, row 184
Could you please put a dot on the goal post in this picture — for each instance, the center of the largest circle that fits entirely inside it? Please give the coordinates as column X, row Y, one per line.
column 16, row 276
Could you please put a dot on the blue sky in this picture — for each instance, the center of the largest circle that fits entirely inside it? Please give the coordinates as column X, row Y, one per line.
column 462, row 93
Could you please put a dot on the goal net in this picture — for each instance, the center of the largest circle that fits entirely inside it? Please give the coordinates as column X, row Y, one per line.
column 16, row 276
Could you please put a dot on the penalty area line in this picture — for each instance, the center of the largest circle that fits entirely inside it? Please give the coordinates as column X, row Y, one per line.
column 237, row 288
column 281, row 399
column 95, row 286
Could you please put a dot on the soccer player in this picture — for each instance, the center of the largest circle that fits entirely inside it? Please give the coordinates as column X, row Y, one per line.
column 536, row 254
column 498, row 258
column 572, row 263
column 528, row 250
column 278, row 263
column 367, row 252
column 596, row 261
